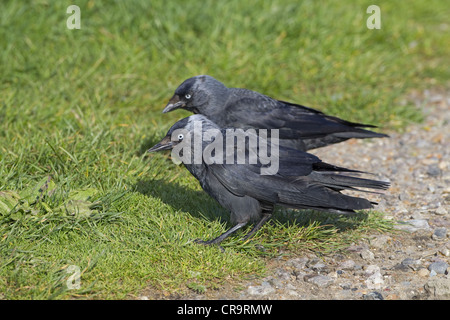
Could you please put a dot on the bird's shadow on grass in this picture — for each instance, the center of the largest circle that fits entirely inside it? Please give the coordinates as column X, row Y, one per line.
column 200, row 205
column 196, row 202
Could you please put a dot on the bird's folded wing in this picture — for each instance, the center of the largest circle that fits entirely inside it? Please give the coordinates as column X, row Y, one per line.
column 300, row 192
column 293, row 121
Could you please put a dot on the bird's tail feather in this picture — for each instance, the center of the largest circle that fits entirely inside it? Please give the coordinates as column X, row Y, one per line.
column 323, row 166
column 348, row 182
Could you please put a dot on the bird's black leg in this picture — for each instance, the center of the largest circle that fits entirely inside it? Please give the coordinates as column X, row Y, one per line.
column 220, row 238
column 258, row 226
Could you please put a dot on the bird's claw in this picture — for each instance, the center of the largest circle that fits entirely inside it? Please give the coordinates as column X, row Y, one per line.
column 200, row 241
column 208, row 243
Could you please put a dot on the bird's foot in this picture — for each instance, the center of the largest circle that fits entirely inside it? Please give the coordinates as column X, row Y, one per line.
column 208, row 243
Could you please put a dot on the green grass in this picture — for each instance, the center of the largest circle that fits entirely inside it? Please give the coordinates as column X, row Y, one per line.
column 82, row 106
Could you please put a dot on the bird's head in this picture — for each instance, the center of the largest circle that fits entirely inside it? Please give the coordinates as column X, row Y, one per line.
column 199, row 94
column 183, row 130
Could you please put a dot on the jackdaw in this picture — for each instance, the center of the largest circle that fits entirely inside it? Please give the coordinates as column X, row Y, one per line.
column 302, row 180
column 299, row 127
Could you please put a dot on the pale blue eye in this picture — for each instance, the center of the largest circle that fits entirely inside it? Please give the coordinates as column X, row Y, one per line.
column 188, row 96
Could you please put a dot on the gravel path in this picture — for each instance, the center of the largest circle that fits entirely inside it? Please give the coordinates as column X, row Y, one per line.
column 404, row 265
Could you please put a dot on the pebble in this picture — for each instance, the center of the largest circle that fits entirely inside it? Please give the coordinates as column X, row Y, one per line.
column 433, row 170
column 438, row 288
column 413, row 225
column 319, row 266
column 423, row 272
column 264, row 289
column 440, row 211
column 297, row 263
column 440, row 267
column 374, row 295
column 375, row 281
column 320, row 281
column 444, row 252
column 371, row 269
column 380, row 241
column 367, row 255
column 283, row 274
column 347, row 265
column 411, row 263
column 439, row 234
column 392, row 296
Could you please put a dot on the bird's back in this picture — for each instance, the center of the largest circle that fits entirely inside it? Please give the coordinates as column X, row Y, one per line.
column 299, row 126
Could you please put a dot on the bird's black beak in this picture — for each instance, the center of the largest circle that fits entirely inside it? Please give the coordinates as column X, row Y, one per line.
column 174, row 103
column 164, row 144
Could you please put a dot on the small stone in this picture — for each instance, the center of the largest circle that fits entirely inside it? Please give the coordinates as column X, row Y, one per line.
column 319, row 266
column 371, row 269
column 264, row 289
column 400, row 208
column 413, row 225
column 367, row 255
column 444, row 252
column 407, row 261
column 401, row 267
column 411, row 263
column 347, row 265
column 283, row 274
column 438, row 288
column 293, row 293
column 440, row 211
column 321, row 281
column 433, row 170
column 375, row 281
column 440, row 267
column 297, row 263
column 439, row 234
column 300, row 275
column 392, row 296
column 443, row 165
column 380, row 241
column 356, row 248
column 374, row 295
column 346, row 286
column 423, row 273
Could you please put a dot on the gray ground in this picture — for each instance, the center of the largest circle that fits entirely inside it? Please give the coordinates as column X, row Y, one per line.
column 413, row 264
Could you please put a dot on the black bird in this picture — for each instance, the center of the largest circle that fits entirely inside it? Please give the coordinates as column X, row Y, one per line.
column 299, row 127
column 302, row 180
